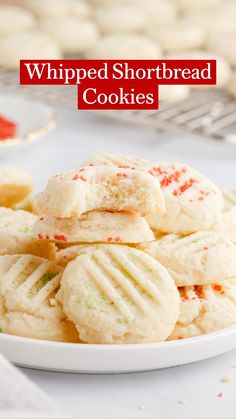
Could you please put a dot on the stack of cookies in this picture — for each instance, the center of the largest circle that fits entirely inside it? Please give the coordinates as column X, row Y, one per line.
column 124, row 250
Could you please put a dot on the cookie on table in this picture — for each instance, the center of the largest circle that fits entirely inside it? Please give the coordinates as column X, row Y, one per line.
column 223, row 70
column 28, row 287
column 73, row 193
column 178, row 36
column 198, row 259
column 95, row 226
column 27, row 45
column 121, row 17
column 125, row 47
column 192, row 201
column 72, row 34
column 117, row 294
column 15, row 185
column 229, row 196
column 119, row 160
column 205, row 309
column 16, row 235
column 14, row 19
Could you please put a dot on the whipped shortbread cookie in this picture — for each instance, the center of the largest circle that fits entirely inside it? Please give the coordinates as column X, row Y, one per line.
column 192, row 202
column 229, row 196
column 118, row 294
column 179, row 36
column 16, row 235
column 28, row 287
column 121, row 17
column 95, row 226
column 65, row 255
column 15, row 185
column 72, row 193
column 119, row 160
column 58, row 8
column 27, row 45
column 205, row 309
column 198, row 259
column 223, row 43
column 223, row 69
column 14, row 19
column 125, row 47
column 173, row 93
column 72, row 34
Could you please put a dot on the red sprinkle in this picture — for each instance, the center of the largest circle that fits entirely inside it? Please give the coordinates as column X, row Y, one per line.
column 76, row 177
column 180, row 337
column 109, row 239
column 60, row 237
column 7, row 129
column 118, row 239
column 47, row 237
column 220, row 395
column 198, row 290
column 41, row 219
column 122, row 175
column 217, row 287
column 40, row 236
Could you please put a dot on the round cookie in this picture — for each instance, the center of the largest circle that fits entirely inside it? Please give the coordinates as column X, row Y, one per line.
column 173, row 93
column 121, row 17
column 126, row 47
column 72, row 34
column 117, row 294
column 205, row 309
column 223, row 73
column 198, row 259
column 89, row 188
column 28, row 287
column 223, row 43
column 181, row 35
column 14, row 19
column 192, row 202
column 15, row 185
column 95, row 226
column 27, row 45
column 58, row 8
column 16, row 235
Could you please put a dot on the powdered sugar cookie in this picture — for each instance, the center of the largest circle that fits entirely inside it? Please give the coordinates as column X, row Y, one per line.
column 14, row 19
column 229, row 196
column 223, row 43
column 121, row 17
column 95, row 226
column 205, row 309
column 192, row 202
column 198, row 259
column 125, row 46
column 173, row 93
column 72, row 34
column 16, row 235
column 28, row 286
column 119, row 160
column 118, row 294
column 27, row 45
column 97, row 188
column 15, row 185
column 223, row 73
column 181, row 35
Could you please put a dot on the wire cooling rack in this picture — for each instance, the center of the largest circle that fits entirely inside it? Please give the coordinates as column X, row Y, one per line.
column 209, row 112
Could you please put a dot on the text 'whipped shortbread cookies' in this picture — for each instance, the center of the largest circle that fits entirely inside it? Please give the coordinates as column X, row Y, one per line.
column 15, row 185
column 205, row 309
column 72, row 193
column 28, row 287
column 16, row 235
column 117, row 294
column 200, row 258
column 95, row 226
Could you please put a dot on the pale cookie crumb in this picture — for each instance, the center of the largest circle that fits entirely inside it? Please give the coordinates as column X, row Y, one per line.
column 227, row 378
column 183, row 401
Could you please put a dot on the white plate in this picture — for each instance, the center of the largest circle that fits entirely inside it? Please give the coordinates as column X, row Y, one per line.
column 69, row 357
column 33, row 118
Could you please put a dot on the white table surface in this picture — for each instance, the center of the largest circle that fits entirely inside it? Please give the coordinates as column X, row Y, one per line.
column 154, row 394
